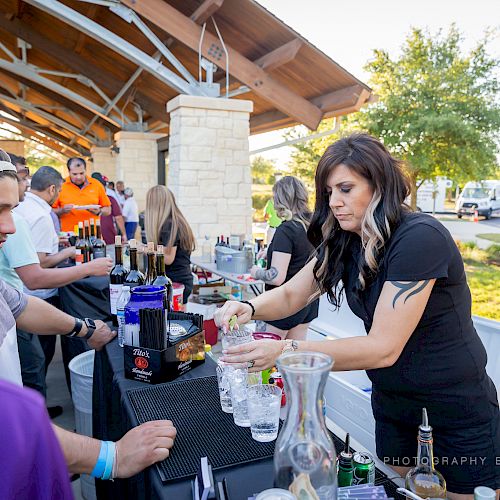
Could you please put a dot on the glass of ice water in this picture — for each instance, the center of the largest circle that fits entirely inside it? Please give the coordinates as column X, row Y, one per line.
column 224, row 388
column 264, row 403
column 238, row 381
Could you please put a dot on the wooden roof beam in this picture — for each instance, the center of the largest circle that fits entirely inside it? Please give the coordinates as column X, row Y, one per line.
column 188, row 32
column 280, row 56
column 205, row 10
column 67, row 58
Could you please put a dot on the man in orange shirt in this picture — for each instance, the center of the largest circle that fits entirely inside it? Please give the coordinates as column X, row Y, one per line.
column 80, row 190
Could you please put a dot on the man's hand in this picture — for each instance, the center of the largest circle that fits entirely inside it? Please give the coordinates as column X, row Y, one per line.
column 66, row 209
column 95, row 211
column 99, row 267
column 143, row 446
column 101, row 336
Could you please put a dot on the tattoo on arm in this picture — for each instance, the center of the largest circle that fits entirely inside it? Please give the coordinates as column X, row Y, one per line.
column 266, row 275
column 413, row 287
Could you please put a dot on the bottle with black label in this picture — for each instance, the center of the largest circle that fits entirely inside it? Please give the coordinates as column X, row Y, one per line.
column 161, row 278
column 134, row 276
column 92, row 236
column 116, row 278
column 88, row 245
column 98, row 246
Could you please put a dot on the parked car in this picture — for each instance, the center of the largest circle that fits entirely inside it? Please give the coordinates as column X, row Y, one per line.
column 483, row 196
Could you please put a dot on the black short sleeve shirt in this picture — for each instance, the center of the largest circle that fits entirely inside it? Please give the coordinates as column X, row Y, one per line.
column 444, row 357
column 180, row 269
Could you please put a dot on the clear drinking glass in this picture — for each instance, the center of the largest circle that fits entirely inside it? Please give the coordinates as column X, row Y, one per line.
column 264, row 404
column 238, row 381
column 224, row 388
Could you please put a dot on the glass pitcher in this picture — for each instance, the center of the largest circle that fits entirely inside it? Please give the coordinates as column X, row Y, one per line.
column 304, row 456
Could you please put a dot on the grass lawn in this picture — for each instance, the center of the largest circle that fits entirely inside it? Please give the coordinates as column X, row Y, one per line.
column 490, row 236
column 483, row 275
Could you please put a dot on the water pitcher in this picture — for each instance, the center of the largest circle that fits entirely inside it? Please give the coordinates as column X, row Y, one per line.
column 304, row 456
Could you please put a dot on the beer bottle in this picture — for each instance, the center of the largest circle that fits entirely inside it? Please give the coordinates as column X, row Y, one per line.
column 98, row 246
column 134, row 276
column 424, row 480
column 151, row 271
column 345, row 465
column 116, row 278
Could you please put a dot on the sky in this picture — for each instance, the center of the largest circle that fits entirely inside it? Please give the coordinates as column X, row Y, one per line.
column 348, row 31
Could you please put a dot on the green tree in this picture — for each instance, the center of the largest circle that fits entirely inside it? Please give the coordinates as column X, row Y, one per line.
column 263, row 170
column 438, row 108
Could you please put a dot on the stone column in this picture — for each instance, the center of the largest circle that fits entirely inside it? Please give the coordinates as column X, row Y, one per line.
column 137, row 162
column 103, row 161
column 209, row 165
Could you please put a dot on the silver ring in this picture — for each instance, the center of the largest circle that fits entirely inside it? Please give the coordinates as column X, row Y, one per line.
column 251, row 363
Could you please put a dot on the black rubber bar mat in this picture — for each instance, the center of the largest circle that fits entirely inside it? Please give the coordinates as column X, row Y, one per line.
column 203, row 429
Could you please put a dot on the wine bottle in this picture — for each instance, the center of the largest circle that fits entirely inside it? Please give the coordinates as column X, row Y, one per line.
column 80, row 247
column 99, row 246
column 92, row 236
column 151, row 271
column 161, row 278
column 134, row 276
column 424, row 480
column 88, row 245
column 116, row 278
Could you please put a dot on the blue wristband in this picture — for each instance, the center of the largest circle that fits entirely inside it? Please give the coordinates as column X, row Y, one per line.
column 101, row 461
column 110, row 459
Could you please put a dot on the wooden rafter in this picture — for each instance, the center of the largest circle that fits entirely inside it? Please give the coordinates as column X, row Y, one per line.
column 282, row 55
column 67, row 58
column 205, row 10
column 188, row 32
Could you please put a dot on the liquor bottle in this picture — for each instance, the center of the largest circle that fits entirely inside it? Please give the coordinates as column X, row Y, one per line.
column 161, row 278
column 120, row 313
column 345, row 465
column 134, row 276
column 98, row 246
column 151, row 270
column 92, row 236
column 80, row 247
column 88, row 245
column 116, row 278
column 424, row 480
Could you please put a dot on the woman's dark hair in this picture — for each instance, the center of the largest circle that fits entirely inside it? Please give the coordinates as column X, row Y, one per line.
column 367, row 157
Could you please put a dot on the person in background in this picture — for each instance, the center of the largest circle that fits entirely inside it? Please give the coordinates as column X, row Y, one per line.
column 403, row 276
column 40, row 455
column 288, row 253
column 20, row 267
column 120, row 192
column 109, row 223
column 109, row 186
column 165, row 225
column 80, row 190
column 130, row 213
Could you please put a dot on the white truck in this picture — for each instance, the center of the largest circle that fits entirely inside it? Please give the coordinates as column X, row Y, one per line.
column 482, row 196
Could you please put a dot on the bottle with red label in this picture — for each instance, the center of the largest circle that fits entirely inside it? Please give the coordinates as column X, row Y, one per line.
column 276, row 379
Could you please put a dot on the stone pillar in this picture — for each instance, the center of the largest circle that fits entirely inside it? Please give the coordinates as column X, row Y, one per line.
column 137, row 162
column 209, row 164
column 103, row 161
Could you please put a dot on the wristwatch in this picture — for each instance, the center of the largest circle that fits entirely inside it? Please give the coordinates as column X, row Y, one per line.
column 76, row 329
column 290, row 346
column 91, row 328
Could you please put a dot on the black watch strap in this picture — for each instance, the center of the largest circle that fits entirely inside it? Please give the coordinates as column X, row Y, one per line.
column 76, row 329
column 91, row 328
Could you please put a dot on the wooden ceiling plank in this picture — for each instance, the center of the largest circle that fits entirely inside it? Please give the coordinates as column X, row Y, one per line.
column 188, row 32
column 205, row 10
column 280, row 56
column 68, row 58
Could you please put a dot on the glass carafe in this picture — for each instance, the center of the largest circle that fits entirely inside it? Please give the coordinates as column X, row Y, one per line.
column 304, row 456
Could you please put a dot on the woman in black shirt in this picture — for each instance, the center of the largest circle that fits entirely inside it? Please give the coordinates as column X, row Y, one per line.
column 402, row 274
column 288, row 253
column 165, row 225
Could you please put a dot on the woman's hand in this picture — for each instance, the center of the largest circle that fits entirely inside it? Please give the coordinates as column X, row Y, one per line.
column 253, row 270
column 231, row 308
column 263, row 353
